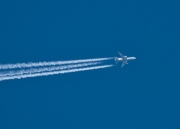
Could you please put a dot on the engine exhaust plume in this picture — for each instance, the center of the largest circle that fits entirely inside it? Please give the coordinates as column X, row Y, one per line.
column 54, row 72
column 42, row 64
column 45, row 69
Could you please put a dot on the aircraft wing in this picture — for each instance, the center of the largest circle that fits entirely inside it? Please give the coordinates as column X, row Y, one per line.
column 122, row 64
column 121, row 54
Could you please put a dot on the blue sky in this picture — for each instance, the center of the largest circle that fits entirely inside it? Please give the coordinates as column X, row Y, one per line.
column 142, row 95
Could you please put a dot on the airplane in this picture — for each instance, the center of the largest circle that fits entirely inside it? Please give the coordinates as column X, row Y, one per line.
column 123, row 58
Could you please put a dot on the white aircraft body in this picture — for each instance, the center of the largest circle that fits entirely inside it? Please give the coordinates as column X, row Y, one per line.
column 123, row 58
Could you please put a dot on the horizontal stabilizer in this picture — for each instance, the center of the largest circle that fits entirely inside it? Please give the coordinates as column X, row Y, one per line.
column 116, row 59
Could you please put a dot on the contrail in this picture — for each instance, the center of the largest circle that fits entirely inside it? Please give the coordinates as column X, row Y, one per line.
column 54, row 72
column 42, row 64
column 45, row 69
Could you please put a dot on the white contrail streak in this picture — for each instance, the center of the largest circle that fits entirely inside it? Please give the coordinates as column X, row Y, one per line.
column 41, row 64
column 54, row 72
column 45, row 69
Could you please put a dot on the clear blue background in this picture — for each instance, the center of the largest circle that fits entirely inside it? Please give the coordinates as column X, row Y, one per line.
column 145, row 94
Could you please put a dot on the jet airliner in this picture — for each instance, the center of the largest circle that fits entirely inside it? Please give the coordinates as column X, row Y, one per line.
column 123, row 58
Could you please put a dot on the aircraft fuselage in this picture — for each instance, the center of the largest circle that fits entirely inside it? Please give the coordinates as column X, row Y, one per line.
column 124, row 59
